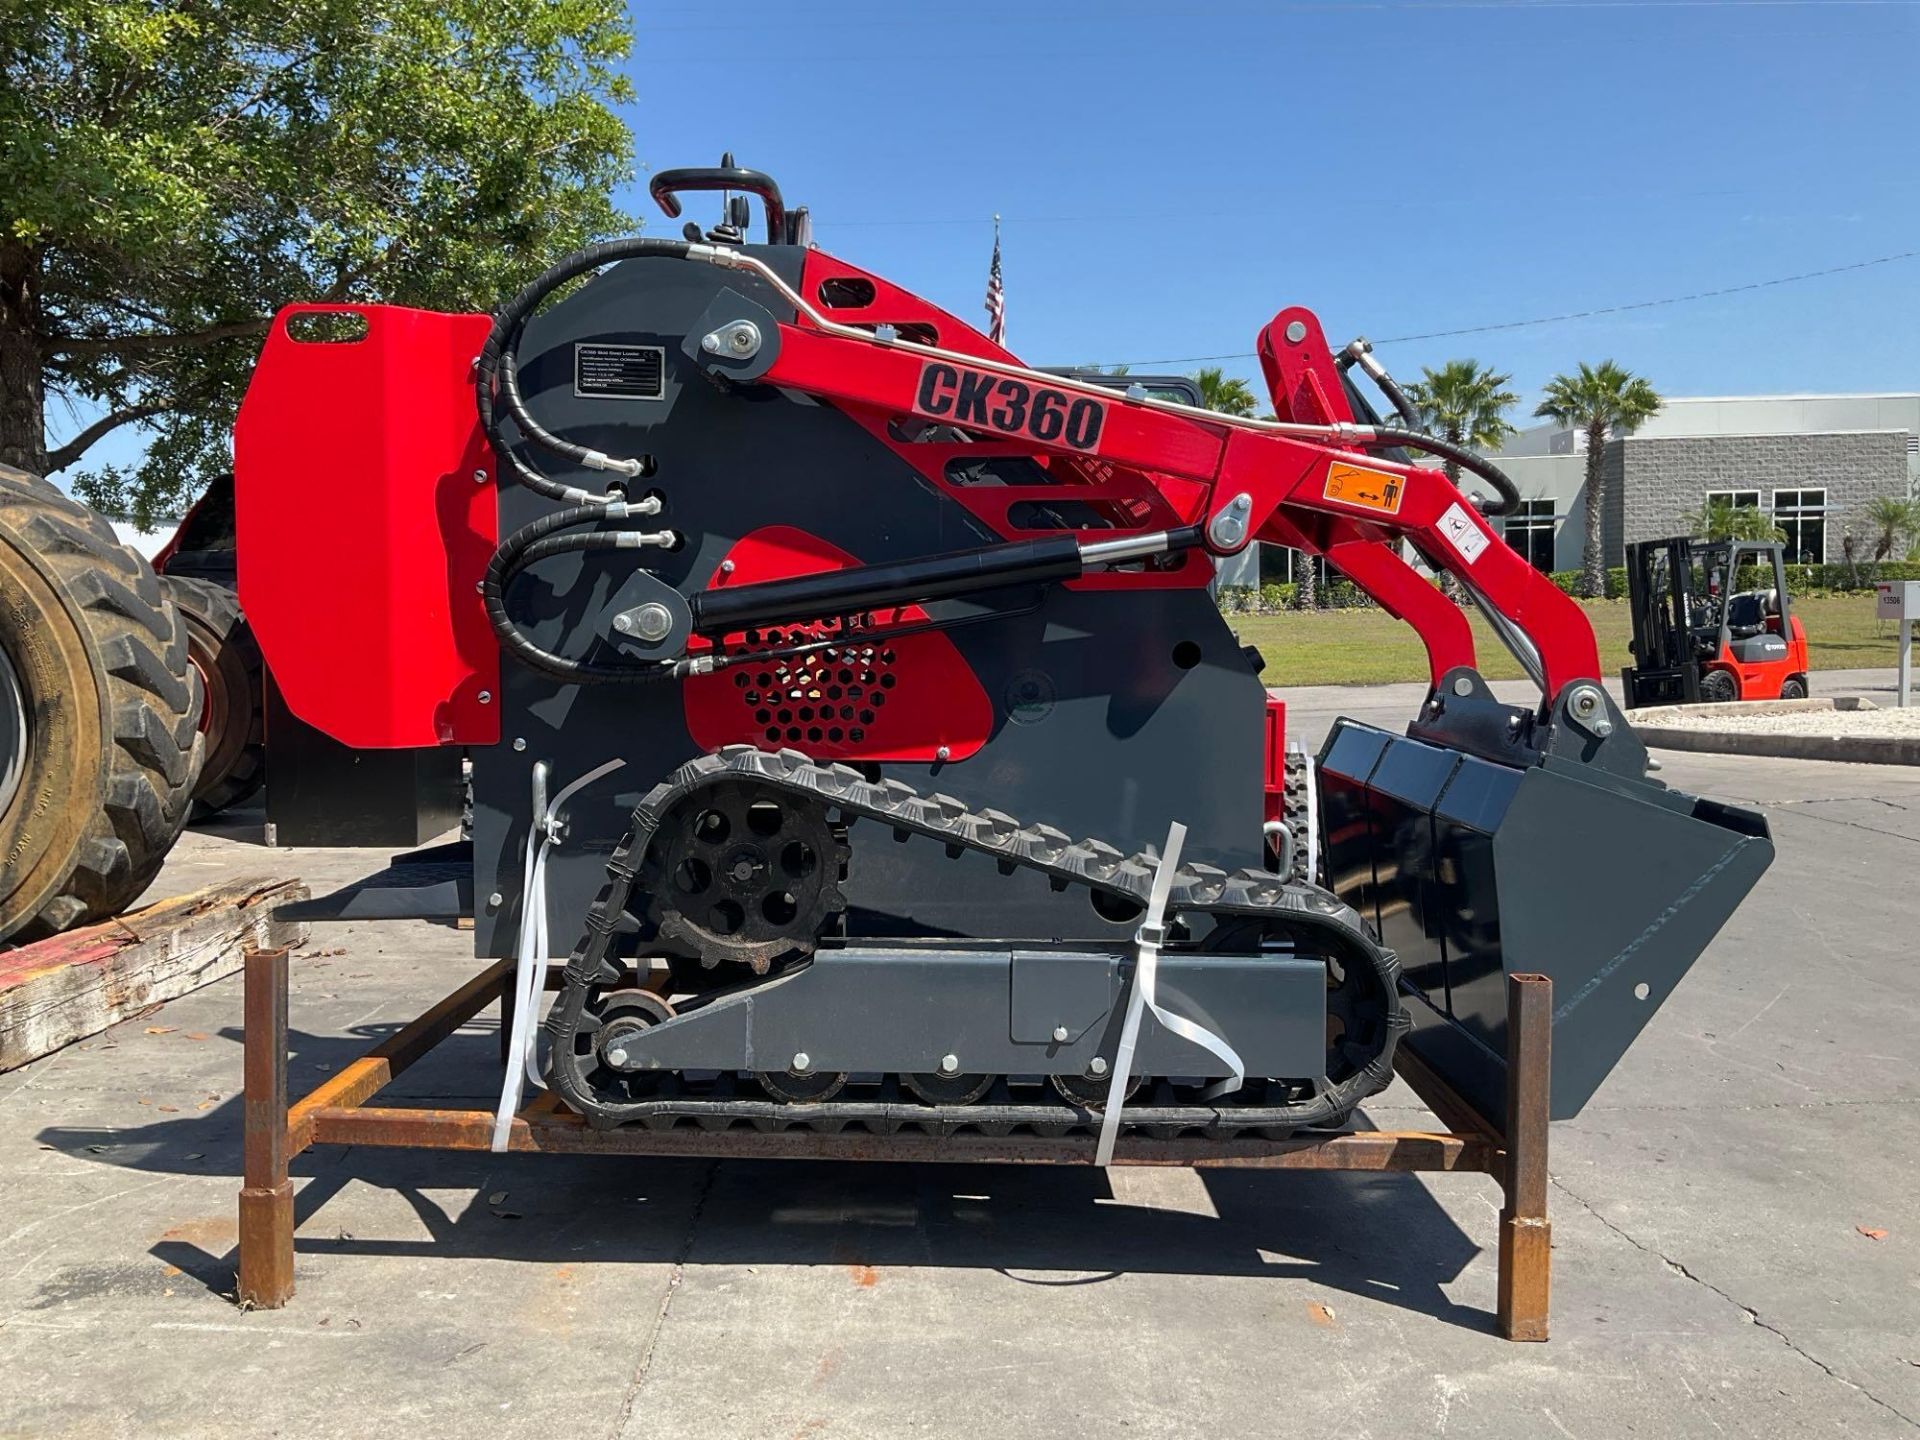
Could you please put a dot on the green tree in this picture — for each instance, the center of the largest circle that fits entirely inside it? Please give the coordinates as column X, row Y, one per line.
column 1896, row 526
column 1228, row 396
column 172, row 174
column 1603, row 400
column 1718, row 520
column 1466, row 403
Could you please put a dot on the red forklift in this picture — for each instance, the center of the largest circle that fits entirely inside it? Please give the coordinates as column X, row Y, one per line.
column 1698, row 636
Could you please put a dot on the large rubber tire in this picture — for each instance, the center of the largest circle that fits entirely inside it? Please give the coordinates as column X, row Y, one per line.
column 111, row 712
column 1794, row 687
column 234, row 718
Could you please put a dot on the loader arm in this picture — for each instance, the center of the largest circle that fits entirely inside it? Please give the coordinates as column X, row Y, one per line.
column 1307, row 482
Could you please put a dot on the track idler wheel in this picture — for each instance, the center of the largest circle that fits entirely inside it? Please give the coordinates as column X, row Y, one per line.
column 1091, row 1092
column 811, row 1088
column 955, row 1089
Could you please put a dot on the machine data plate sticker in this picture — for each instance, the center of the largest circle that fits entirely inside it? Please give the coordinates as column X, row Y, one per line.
column 1463, row 532
column 619, row 372
column 1006, row 406
column 1369, row 489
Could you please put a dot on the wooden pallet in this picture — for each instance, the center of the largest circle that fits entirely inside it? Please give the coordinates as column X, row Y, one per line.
column 67, row 987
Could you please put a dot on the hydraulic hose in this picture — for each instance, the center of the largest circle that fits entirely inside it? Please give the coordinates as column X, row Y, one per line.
column 1466, row 459
column 534, row 542
column 496, row 371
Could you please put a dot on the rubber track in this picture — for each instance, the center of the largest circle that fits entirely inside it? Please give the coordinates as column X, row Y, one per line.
column 153, row 750
column 1197, row 889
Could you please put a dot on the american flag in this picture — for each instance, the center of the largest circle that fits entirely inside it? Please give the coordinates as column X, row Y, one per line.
column 996, row 296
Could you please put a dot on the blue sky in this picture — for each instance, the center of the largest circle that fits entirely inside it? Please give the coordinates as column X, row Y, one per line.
column 1172, row 175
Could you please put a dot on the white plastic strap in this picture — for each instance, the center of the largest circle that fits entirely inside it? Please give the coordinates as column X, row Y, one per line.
column 1141, row 996
column 532, row 953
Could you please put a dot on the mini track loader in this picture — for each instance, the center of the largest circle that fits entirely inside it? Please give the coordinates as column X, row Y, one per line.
column 849, row 696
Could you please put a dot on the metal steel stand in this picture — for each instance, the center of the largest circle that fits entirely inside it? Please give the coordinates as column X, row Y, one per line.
column 337, row 1113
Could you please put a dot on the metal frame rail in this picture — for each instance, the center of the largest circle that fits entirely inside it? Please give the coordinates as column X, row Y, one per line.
column 337, row 1112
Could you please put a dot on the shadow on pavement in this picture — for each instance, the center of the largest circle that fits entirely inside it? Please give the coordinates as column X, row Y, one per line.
column 1383, row 1236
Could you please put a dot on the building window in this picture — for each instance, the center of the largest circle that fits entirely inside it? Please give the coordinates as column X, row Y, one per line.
column 1802, row 514
column 1529, row 530
column 1738, row 499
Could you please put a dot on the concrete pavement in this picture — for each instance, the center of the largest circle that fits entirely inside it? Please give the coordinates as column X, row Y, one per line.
column 1712, row 1277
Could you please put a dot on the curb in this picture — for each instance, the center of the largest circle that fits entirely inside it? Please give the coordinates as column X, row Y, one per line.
column 1855, row 749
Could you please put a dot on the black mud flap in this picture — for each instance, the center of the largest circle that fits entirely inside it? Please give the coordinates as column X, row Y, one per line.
column 1473, row 869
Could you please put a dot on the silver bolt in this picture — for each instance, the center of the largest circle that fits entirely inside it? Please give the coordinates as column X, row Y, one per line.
column 1096, row 1067
column 745, row 339
column 945, row 752
column 1296, row 332
column 485, row 697
column 652, row 621
column 726, row 567
column 479, row 477
column 1061, row 1035
column 496, row 900
column 616, row 1057
column 1463, row 686
column 1229, row 528
column 519, row 742
column 949, row 1064
column 802, row 1062
column 623, row 622
column 711, row 343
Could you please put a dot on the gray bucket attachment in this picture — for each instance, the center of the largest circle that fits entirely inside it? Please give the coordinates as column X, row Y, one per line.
column 1476, row 855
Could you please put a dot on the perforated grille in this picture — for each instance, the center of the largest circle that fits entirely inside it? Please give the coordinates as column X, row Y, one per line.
column 832, row 696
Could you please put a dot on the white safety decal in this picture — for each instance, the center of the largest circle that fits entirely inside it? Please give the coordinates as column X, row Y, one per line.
column 1463, row 532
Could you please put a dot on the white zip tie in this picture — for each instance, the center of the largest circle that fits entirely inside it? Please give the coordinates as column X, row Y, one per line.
column 1141, row 996
column 532, row 954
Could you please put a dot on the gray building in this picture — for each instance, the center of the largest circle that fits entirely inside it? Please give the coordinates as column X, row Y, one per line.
column 1812, row 462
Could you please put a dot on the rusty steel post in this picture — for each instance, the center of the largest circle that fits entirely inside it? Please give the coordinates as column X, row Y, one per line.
column 266, row 1194
column 1526, row 1237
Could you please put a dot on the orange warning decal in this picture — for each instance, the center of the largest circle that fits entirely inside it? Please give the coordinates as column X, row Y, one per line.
column 1369, row 489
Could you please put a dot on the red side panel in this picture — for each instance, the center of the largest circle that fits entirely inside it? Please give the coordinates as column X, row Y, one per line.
column 363, row 532
column 865, row 697
column 1276, row 767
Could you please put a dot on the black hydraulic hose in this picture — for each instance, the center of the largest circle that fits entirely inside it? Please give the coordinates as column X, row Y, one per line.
column 1397, row 398
column 517, row 552
column 1459, row 454
column 496, row 370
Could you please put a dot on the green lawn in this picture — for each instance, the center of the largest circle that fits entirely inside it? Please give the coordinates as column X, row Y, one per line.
column 1368, row 647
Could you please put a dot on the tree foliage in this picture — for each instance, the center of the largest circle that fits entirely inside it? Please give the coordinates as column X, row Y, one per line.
column 1719, row 520
column 1464, row 402
column 1896, row 526
column 171, row 174
column 1230, row 396
column 1603, row 400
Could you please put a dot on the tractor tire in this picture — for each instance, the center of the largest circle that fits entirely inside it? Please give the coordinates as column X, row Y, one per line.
column 233, row 720
column 1717, row 688
column 1794, row 687
column 99, row 715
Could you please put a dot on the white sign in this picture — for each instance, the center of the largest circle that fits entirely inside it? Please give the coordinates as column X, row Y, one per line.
column 1463, row 532
column 1899, row 600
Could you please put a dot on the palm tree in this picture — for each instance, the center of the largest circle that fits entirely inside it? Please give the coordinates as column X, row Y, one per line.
column 1603, row 400
column 1217, row 392
column 1466, row 403
column 1896, row 525
column 1718, row 520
